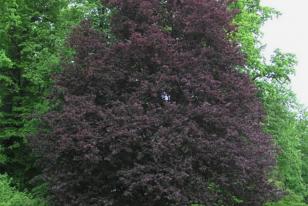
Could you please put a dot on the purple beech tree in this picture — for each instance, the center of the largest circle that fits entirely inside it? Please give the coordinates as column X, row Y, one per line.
column 160, row 117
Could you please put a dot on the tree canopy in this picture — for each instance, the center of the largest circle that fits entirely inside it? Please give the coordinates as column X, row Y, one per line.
column 161, row 116
column 161, row 102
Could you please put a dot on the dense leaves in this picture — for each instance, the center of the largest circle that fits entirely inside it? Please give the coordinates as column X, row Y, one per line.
column 304, row 148
column 32, row 36
column 27, row 57
column 9, row 196
column 285, row 117
column 146, row 46
column 159, row 117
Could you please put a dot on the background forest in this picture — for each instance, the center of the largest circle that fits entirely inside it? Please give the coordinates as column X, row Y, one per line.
column 39, row 38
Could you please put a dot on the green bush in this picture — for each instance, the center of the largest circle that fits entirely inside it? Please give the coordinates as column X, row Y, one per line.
column 9, row 196
column 290, row 200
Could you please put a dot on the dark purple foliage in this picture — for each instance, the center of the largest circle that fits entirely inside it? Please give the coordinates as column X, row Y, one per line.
column 161, row 117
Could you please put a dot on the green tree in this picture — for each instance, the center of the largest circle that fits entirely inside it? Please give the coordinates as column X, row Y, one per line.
column 303, row 126
column 28, row 41
column 273, row 80
column 32, row 43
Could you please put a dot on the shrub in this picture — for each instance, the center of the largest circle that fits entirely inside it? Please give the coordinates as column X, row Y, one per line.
column 9, row 196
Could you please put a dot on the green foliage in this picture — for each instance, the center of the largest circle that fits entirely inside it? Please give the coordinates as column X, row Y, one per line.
column 303, row 127
column 290, row 200
column 249, row 21
column 27, row 58
column 9, row 196
column 4, row 60
column 32, row 43
column 283, row 111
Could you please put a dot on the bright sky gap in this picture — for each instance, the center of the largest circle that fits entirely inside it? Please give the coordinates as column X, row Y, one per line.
column 289, row 32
